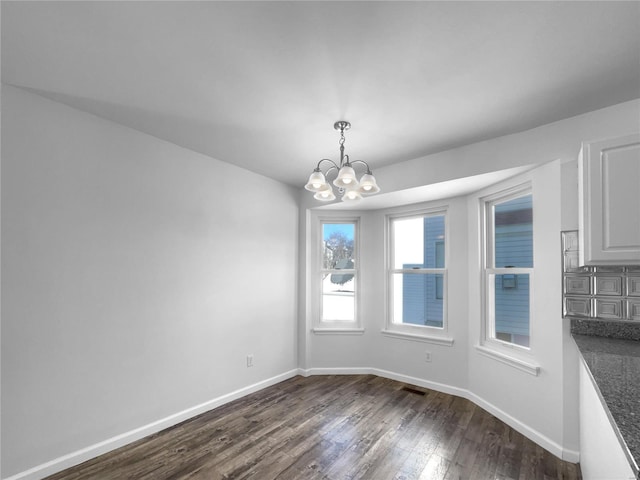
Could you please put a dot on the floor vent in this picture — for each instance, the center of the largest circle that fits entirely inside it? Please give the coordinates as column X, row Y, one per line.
column 413, row 390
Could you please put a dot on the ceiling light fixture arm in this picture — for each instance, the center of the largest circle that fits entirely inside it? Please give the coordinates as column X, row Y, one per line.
column 368, row 172
column 333, row 165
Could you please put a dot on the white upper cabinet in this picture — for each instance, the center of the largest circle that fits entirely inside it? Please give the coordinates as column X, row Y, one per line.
column 609, row 189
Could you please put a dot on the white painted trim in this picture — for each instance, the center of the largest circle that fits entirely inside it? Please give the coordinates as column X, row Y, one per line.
column 316, row 269
column 75, row 458
column 522, row 365
column 446, row 341
column 337, row 371
column 572, row 456
column 337, row 331
column 408, row 331
column 419, row 382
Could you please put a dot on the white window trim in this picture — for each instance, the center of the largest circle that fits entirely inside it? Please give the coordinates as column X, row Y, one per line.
column 528, row 367
column 422, row 333
column 337, row 327
column 419, row 337
column 517, row 356
column 337, row 331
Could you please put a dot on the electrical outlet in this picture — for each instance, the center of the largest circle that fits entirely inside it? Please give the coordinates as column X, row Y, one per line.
column 249, row 360
column 427, row 357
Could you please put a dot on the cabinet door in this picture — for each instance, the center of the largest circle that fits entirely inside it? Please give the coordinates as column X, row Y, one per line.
column 609, row 189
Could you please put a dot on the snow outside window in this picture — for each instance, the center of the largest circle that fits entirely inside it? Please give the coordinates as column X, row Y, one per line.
column 338, row 272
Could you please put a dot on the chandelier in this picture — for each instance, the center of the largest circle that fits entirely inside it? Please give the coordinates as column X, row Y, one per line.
column 346, row 181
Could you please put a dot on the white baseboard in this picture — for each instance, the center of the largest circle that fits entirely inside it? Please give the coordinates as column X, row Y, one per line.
column 337, row 371
column 419, row 382
column 92, row 451
column 110, row 444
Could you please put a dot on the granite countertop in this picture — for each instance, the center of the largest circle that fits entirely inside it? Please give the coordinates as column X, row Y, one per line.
column 614, row 364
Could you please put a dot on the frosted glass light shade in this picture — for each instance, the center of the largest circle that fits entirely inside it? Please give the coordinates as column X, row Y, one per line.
column 368, row 184
column 351, row 195
column 346, row 178
column 316, row 182
column 326, row 194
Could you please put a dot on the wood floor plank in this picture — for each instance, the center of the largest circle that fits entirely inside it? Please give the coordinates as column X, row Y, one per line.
column 333, row 428
column 463, row 460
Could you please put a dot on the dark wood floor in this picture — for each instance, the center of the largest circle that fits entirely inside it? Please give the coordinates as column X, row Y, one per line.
column 334, row 427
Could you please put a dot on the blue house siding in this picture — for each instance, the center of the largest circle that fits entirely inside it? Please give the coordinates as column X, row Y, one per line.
column 513, row 248
column 512, row 305
column 422, row 302
column 414, row 297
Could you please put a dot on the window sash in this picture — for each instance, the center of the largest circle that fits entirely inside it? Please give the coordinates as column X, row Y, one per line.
column 416, row 270
column 322, row 273
column 489, row 222
column 439, row 252
column 490, row 272
column 439, row 286
column 491, row 298
column 341, row 300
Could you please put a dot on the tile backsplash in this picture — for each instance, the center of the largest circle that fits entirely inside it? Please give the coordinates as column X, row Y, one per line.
column 604, row 293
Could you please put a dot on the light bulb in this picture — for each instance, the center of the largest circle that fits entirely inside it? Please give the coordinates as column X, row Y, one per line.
column 351, row 194
column 346, row 177
column 325, row 194
column 368, row 184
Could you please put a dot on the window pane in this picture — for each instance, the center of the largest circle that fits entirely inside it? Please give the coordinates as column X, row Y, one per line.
column 418, row 299
column 338, row 245
column 511, row 307
column 338, row 297
column 418, row 242
column 513, row 221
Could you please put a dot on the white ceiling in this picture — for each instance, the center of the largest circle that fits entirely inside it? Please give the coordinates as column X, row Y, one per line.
column 260, row 84
column 427, row 193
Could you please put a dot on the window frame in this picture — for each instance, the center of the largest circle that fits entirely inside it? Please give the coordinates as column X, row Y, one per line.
column 517, row 355
column 322, row 326
column 424, row 333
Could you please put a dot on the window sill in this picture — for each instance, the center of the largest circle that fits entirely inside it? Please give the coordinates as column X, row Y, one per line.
column 446, row 341
column 527, row 367
column 337, row 331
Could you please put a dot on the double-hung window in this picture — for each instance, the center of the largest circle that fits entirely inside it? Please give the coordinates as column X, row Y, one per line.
column 338, row 274
column 508, row 268
column 417, row 274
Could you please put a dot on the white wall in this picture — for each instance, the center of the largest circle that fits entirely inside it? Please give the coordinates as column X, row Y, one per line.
column 137, row 276
column 535, row 401
column 406, row 357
